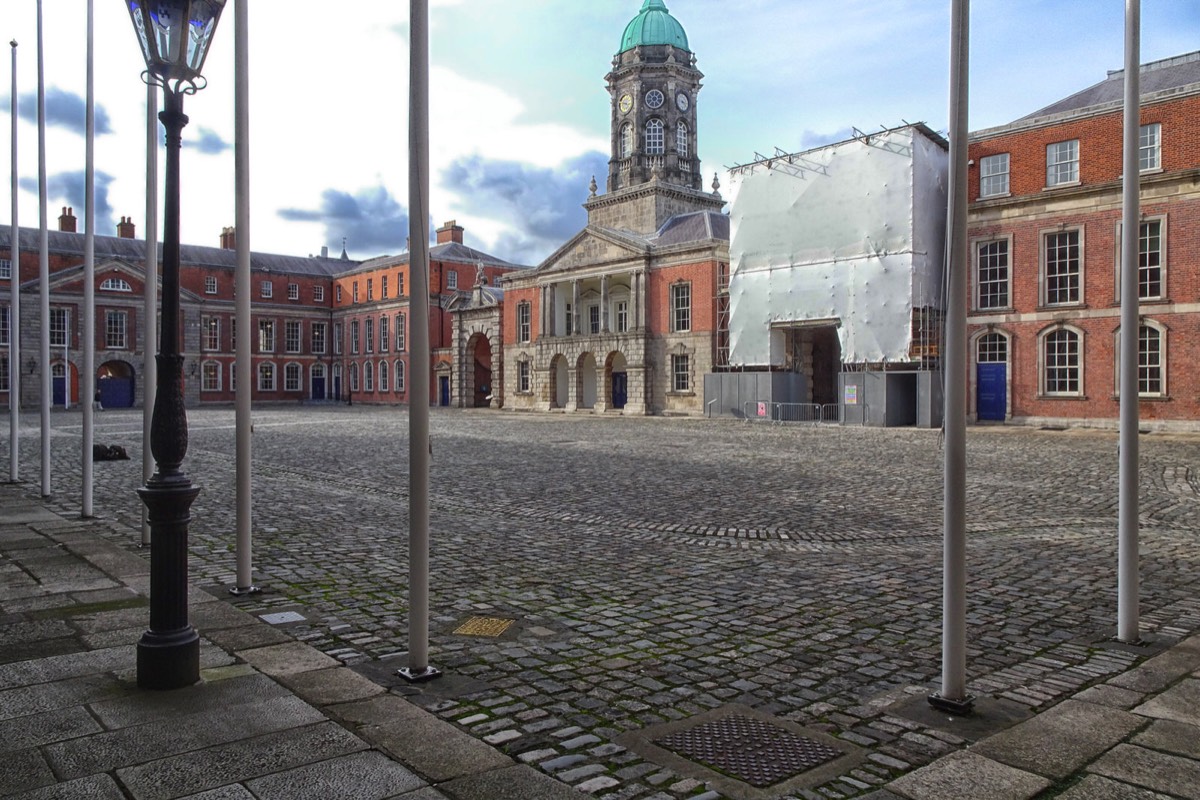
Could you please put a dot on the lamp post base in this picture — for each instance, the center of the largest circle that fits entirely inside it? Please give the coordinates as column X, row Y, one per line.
column 168, row 660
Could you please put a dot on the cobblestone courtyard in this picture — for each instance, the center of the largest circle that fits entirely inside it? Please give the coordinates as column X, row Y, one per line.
column 658, row 569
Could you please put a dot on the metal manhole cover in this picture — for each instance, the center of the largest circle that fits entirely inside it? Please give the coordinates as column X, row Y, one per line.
column 753, row 751
column 484, row 626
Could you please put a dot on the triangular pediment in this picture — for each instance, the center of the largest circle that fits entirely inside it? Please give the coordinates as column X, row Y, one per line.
column 594, row 245
column 71, row 278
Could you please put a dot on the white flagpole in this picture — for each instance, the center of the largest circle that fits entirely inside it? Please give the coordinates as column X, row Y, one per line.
column 241, row 232
column 43, row 261
column 953, row 697
column 89, row 274
column 418, row 668
column 14, row 309
column 150, row 312
column 1127, row 495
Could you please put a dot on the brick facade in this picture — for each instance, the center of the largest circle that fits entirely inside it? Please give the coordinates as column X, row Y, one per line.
column 1053, row 321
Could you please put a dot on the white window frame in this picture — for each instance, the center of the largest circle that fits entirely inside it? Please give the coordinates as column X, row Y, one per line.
column 384, row 334
column 115, row 285
column 293, row 377
column 116, row 336
column 5, row 382
column 60, row 327
column 353, row 376
column 210, row 284
column 383, row 287
column 1045, row 357
column 210, row 333
column 451, row 279
column 368, row 373
column 524, row 321
column 1062, row 163
column 994, row 175
column 593, row 319
column 1144, row 267
column 5, row 339
column 399, row 376
column 655, row 137
column 681, row 373
column 401, row 333
column 369, row 334
column 337, row 338
column 1144, row 361
column 681, row 139
column 318, row 334
column 681, row 307
column 293, row 291
column 5, row 269
column 523, row 382
column 210, row 370
column 383, row 376
column 1150, row 147
column 985, row 272
column 266, row 289
column 292, row 343
column 626, row 140
column 622, row 316
column 1044, row 278
column 318, row 294
column 354, row 342
column 266, row 376
column 266, row 336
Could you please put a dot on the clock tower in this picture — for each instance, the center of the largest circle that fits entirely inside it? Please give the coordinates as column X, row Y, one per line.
column 653, row 86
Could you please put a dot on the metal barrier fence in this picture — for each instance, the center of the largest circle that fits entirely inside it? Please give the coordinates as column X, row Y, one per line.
column 804, row 413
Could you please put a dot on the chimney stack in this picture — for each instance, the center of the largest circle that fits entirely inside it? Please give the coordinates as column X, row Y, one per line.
column 228, row 239
column 125, row 228
column 66, row 220
column 450, row 232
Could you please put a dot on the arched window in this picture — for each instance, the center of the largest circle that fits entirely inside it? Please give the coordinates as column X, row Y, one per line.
column 399, row 376
column 1152, row 360
column 626, row 140
column 383, row 376
column 992, row 348
column 681, row 139
column 115, row 285
column 1062, row 362
column 266, row 377
column 353, row 377
column 654, row 137
column 368, row 377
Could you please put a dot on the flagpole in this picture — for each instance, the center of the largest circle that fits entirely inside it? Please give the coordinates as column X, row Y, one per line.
column 43, row 260
column 1127, row 495
column 241, row 232
column 953, row 697
column 14, row 310
column 418, row 668
column 89, row 273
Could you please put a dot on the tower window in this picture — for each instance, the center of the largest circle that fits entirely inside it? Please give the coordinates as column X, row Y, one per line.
column 654, row 137
column 681, row 139
column 626, row 140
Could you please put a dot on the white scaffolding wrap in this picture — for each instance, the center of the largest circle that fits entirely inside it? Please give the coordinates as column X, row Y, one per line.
column 851, row 234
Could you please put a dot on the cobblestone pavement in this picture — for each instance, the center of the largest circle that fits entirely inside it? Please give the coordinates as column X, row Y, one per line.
column 661, row 568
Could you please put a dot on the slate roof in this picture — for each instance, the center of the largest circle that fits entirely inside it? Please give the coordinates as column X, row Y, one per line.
column 1156, row 76
column 694, row 227
column 134, row 251
column 450, row 251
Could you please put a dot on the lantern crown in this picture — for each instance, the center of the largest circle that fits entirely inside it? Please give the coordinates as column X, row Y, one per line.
column 175, row 36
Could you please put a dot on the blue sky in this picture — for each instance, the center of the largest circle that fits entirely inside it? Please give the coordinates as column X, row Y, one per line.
column 519, row 110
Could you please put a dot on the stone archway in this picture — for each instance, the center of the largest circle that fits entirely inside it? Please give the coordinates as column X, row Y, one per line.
column 115, row 384
column 616, row 380
column 477, row 375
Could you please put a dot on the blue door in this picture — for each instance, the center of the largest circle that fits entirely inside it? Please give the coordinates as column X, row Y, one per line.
column 116, row 392
column 620, row 389
column 443, row 391
column 318, row 388
column 60, row 390
column 991, row 394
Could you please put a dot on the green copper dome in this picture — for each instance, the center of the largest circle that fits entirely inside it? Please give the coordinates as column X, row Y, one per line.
column 653, row 25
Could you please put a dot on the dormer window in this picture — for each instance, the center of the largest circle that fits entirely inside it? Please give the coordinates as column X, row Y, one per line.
column 115, row 285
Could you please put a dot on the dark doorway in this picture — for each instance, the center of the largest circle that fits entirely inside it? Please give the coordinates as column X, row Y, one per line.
column 991, row 391
column 443, row 390
column 115, row 384
column 620, row 389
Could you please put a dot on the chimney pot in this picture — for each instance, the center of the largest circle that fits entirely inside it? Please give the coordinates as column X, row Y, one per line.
column 126, row 229
column 66, row 222
column 450, row 231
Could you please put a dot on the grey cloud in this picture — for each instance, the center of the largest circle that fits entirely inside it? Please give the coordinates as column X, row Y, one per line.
column 64, row 109
column 208, row 142
column 371, row 220
column 67, row 189
column 543, row 206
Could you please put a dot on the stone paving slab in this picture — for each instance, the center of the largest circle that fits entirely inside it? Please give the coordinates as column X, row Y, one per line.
column 1094, row 787
column 511, row 783
column 93, row 787
column 287, row 659
column 241, row 760
column 1175, row 737
column 1060, row 740
column 1160, row 772
column 325, row 687
column 1181, row 703
column 965, row 774
column 362, row 776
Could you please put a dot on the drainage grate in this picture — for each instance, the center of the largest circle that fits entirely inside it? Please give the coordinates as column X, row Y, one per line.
column 753, row 751
column 484, row 626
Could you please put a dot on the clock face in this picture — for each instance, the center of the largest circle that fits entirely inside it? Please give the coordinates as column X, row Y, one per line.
column 654, row 98
column 681, row 101
column 625, row 103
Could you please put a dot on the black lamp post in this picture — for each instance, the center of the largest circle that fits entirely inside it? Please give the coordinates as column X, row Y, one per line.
column 175, row 36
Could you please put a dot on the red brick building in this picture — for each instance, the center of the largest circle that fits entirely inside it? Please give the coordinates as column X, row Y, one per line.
column 1045, row 232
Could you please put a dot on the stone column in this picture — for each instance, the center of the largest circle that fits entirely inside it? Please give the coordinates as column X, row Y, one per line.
column 551, row 322
column 572, row 389
column 541, row 311
column 636, row 286
column 573, row 323
column 604, row 304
